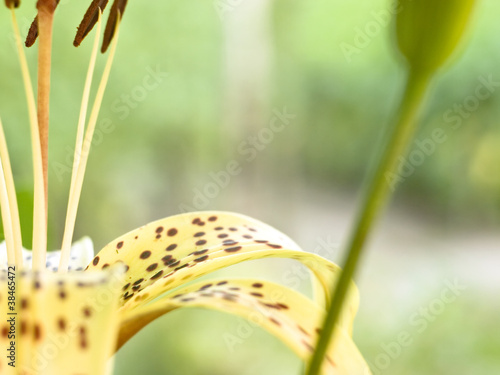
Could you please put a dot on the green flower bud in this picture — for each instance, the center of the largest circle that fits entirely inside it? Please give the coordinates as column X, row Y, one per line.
column 429, row 31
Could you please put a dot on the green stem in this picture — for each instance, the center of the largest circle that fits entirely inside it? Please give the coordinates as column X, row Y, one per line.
column 376, row 195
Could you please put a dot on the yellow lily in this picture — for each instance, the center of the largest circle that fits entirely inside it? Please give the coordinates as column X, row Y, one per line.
column 58, row 322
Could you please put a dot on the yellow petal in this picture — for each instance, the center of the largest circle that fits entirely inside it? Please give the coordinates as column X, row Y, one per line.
column 168, row 253
column 283, row 312
column 64, row 323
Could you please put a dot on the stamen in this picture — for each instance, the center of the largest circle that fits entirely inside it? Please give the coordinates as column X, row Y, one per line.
column 12, row 199
column 115, row 16
column 39, row 211
column 13, row 259
column 89, row 134
column 12, row 3
column 33, row 31
column 70, row 217
column 89, row 20
column 46, row 9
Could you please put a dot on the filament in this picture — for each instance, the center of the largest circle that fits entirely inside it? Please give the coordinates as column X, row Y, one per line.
column 85, row 150
column 70, row 218
column 39, row 211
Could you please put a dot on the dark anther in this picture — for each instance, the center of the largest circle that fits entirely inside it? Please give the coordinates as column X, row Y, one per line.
column 117, row 10
column 89, row 20
column 33, row 32
column 91, row 17
column 12, row 3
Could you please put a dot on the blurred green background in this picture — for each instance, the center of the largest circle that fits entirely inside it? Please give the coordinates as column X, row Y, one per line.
column 196, row 84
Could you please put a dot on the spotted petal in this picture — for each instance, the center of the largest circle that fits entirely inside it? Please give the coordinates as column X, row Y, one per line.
column 164, row 255
column 283, row 312
column 65, row 324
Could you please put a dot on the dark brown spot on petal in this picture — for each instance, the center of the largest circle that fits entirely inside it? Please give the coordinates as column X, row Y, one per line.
column 233, row 249
column 181, row 267
column 166, row 259
column 303, row 330
column 274, row 321
column 172, row 232
column 307, row 345
column 61, row 323
column 152, row 267
column 174, row 264
column 201, row 259
column 157, row 275
column 37, row 332
column 201, row 242
column 171, row 247
column 95, row 261
column 200, row 252
column 274, row 246
column 145, row 254
column 24, row 304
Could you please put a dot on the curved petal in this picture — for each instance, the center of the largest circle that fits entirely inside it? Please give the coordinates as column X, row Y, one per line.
column 168, row 253
column 283, row 312
column 65, row 323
